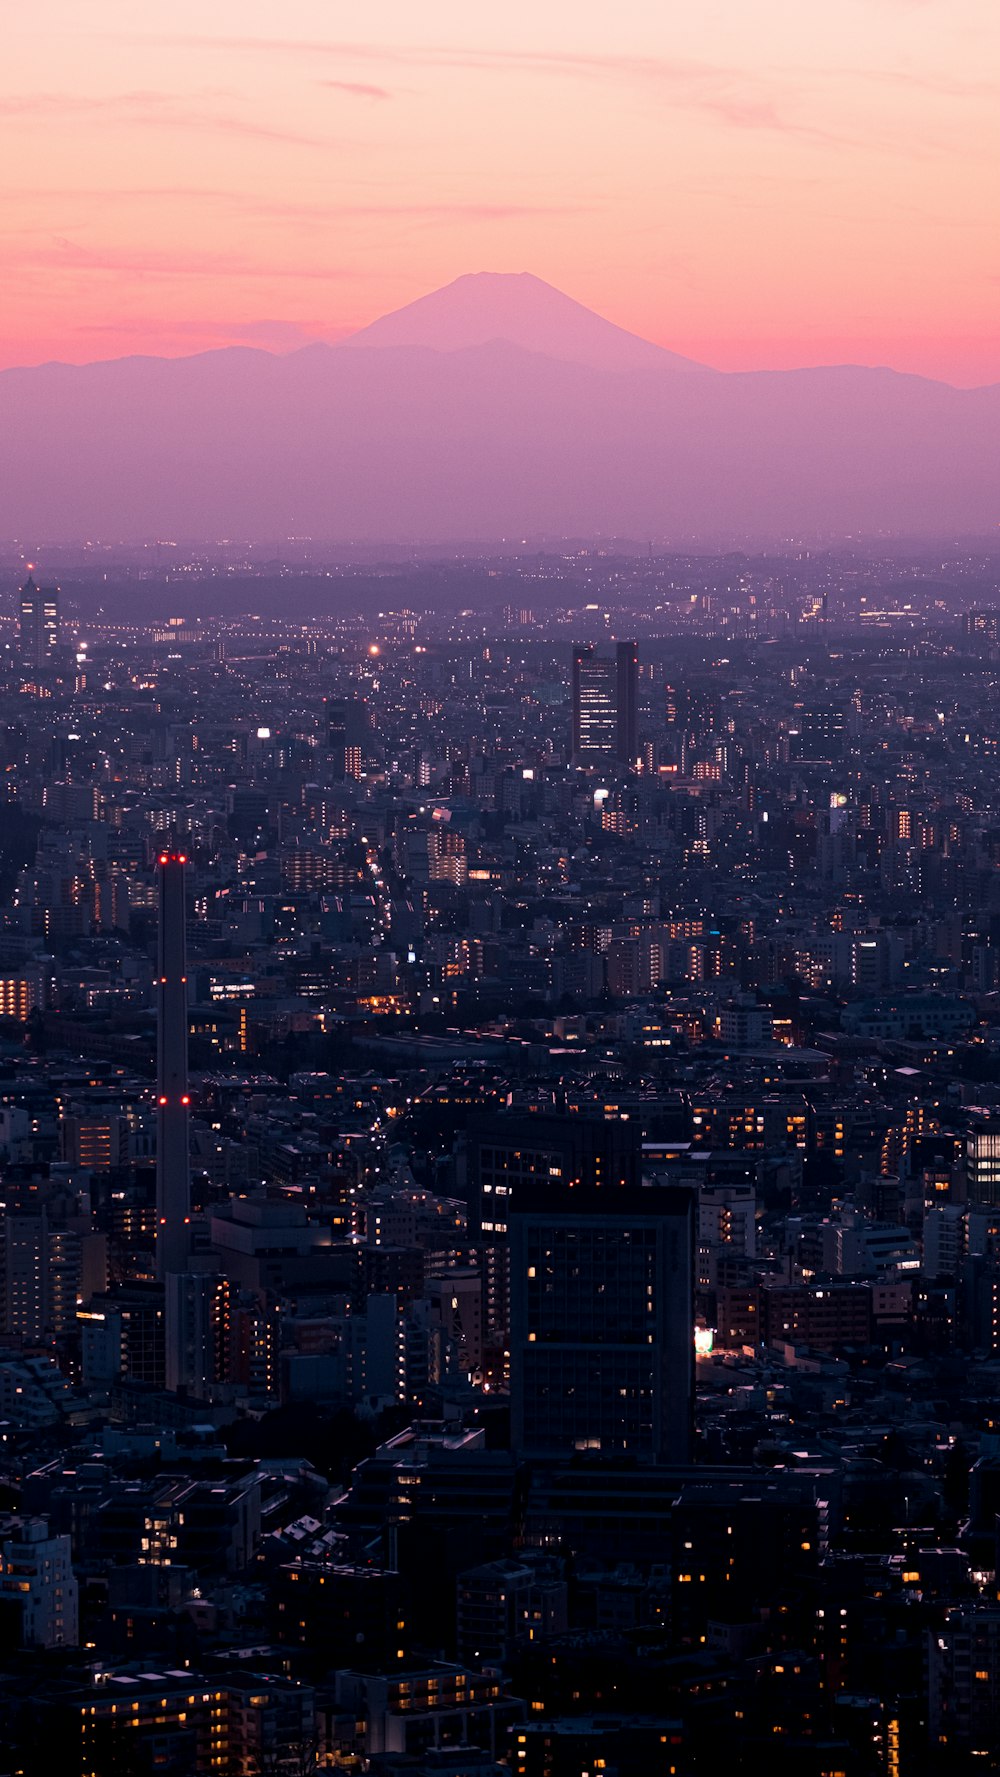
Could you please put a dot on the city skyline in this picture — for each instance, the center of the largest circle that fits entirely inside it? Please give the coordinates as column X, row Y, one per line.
column 500, row 891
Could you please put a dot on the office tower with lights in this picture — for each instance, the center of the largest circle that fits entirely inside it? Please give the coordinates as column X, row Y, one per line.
column 347, row 728
column 39, row 626
column 595, row 719
column 601, row 1312
column 982, row 1165
column 605, row 705
column 173, row 1180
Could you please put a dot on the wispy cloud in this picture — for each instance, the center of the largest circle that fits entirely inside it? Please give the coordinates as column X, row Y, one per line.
column 357, row 89
column 63, row 253
column 727, row 94
column 946, row 86
column 156, row 110
column 280, row 209
column 454, row 211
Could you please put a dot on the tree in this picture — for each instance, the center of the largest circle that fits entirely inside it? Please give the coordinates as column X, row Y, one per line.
column 294, row 1758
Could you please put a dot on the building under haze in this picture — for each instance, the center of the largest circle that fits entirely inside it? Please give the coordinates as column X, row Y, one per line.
column 605, row 705
column 39, row 625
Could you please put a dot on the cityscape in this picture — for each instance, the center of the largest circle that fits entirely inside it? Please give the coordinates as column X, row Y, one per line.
column 500, row 1143
column 500, row 889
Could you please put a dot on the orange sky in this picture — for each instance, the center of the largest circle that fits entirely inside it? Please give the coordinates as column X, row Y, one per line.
column 750, row 182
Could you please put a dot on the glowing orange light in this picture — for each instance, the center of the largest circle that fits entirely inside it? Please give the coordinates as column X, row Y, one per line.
column 182, row 859
column 374, row 649
column 161, row 1101
column 185, row 1098
column 164, row 857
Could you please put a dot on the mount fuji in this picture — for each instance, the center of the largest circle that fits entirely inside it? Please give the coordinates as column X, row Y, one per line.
column 494, row 408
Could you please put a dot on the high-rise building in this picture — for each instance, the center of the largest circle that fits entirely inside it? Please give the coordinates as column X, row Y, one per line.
column 595, row 719
column 819, row 732
column 601, row 1311
column 508, row 1153
column 982, row 1165
column 627, row 686
column 173, row 1166
column 605, row 705
column 347, row 726
column 197, row 1346
column 963, row 1684
column 48, row 1266
column 39, row 625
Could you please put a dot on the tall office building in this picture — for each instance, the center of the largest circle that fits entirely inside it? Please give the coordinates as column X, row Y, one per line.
column 512, row 1152
column 627, row 709
column 601, row 1311
column 347, row 725
column 39, row 625
column 605, row 705
column 982, row 1165
column 819, row 732
column 173, row 1167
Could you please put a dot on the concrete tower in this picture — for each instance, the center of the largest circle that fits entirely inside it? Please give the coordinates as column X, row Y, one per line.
column 173, row 1164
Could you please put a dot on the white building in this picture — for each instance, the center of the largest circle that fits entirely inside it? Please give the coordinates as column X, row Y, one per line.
column 36, row 1571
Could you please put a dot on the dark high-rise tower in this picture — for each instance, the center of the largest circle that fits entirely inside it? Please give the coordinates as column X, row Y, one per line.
column 39, row 625
column 605, row 705
column 627, row 675
column 601, row 1318
column 347, row 728
column 173, row 1175
column 512, row 1153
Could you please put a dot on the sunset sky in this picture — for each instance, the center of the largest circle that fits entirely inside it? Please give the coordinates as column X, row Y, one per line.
column 750, row 182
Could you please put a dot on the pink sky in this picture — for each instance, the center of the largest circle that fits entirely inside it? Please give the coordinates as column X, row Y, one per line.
column 750, row 182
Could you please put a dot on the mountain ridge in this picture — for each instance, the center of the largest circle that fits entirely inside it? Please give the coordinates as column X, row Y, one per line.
column 491, row 439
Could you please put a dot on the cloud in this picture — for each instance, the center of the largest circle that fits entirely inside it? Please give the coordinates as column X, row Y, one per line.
column 246, row 204
column 65, row 254
column 722, row 92
column 156, row 110
column 454, row 211
column 945, row 86
column 357, row 89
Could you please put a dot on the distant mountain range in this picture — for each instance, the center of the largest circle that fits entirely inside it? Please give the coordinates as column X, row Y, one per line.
column 494, row 408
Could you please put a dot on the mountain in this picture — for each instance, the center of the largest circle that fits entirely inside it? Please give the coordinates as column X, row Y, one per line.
column 406, row 439
column 523, row 310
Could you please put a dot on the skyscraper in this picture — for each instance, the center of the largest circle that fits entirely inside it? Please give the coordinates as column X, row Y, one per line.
column 602, row 1335
column 39, row 625
column 511, row 1153
column 197, row 1343
column 173, row 1180
column 347, row 726
column 982, row 1165
column 605, row 705
column 627, row 686
column 595, row 720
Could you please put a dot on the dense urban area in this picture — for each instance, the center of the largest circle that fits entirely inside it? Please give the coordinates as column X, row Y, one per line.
column 499, row 1162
